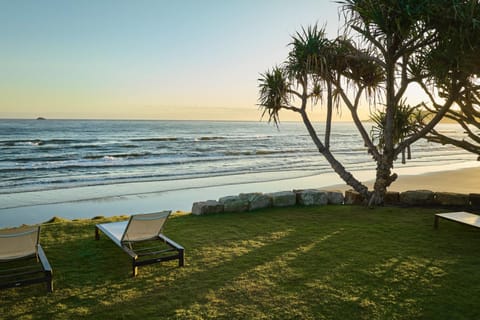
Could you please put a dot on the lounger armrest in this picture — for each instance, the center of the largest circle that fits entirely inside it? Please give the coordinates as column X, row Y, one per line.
column 171, row 242
column 43, row 259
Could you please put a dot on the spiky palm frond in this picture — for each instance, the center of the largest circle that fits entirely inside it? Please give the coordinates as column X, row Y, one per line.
column 358, row 66
column 407, row 121
column 455, row 51
column 274, row 93
column 394, row 19
column 309, row 52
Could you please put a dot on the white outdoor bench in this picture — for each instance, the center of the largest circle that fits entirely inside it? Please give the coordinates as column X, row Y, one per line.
column 460, row 217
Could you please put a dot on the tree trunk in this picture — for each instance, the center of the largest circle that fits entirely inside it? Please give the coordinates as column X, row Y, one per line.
column 328, row 121
column 383, row 180
column 334, row 163
column 384, row 165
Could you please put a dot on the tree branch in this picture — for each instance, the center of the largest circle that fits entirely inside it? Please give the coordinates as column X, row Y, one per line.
column 358, row 123
column 435, row 120
column 334, row 163
column 372, row 39
column 440, row 138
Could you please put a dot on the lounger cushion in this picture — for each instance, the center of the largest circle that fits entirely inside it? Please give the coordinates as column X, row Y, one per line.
column 138, row 228
column 145, row 226
column 18, row 243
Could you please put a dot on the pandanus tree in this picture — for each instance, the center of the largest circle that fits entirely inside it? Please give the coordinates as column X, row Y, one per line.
column 314, row 64
column 401, row 43
column 459, row 30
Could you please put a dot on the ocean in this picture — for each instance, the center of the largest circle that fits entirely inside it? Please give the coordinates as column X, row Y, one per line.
column 86, row 168
column 56, row 154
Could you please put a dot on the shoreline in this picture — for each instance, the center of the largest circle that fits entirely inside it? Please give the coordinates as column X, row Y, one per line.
column 124, row 199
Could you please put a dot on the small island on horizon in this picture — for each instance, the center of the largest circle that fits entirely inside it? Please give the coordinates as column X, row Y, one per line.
column 41, row 118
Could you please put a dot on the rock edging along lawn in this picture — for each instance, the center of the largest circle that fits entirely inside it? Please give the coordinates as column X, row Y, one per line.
column 316, row 197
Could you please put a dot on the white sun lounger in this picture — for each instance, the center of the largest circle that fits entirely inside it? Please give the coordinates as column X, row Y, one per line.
column 17, row 248
column 142, row 228
column 460, row 217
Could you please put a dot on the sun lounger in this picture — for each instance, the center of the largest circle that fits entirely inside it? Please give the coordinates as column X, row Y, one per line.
column 136, row 234
column 460, row 217
column 22, row 259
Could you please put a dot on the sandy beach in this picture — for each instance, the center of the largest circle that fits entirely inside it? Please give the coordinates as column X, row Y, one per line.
column 465, row 180
column 460, row 181
column 119, row 199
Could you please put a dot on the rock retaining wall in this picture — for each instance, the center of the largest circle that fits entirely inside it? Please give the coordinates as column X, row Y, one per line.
column 316, row 197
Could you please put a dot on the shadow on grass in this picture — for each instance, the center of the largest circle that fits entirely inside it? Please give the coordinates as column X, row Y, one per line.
column 310, row 264
column 196, row 288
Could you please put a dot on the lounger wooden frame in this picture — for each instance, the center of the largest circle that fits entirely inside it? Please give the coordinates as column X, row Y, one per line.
column 144, row 256
column 29, row 273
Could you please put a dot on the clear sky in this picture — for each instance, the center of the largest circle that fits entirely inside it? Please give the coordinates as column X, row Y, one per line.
column 139, row 59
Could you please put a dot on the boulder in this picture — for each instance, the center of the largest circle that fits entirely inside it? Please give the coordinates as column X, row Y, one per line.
column 257, row 200
column 283, row 199
column 234, row 204
column 311, row 197
column 353, row 197
column 417, row 197
column 206, row 207
column 335, row 197
column 451, row 199
column 392, row 198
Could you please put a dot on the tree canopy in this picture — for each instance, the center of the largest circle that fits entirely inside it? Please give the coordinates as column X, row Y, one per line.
column 387, row 47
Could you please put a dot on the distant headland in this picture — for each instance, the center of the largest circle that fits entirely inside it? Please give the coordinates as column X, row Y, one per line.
column 41, row 118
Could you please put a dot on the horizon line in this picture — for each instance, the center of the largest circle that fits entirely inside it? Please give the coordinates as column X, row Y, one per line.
column 145, row 119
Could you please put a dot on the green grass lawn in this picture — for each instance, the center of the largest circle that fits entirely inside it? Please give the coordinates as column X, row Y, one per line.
column 331, row 262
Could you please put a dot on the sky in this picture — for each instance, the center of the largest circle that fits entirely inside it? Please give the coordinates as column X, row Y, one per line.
column 183, row 59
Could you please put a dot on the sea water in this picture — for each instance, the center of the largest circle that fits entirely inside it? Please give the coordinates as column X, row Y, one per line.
column 66, row 161
column 55, row 154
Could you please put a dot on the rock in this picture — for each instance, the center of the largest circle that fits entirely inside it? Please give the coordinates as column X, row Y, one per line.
column 392, row 197
column 257, row 200
column 417, row 197
column 283, row 199
column 353, row 197
column 234, row 204
column 335, row 197
column 311, row 197
column 451, row 199
column 206, row 207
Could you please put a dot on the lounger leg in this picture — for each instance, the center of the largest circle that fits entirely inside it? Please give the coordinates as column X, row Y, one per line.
column 47, row 269
column 181, row 258
column 435, row 223
column 134, row 267
column 97, row 233
column 49, row 282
